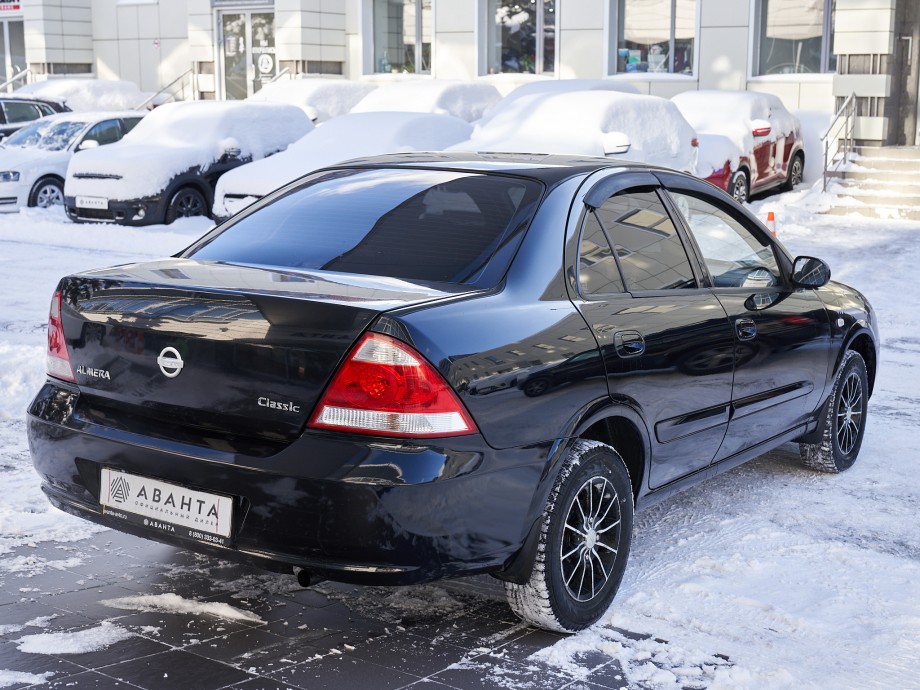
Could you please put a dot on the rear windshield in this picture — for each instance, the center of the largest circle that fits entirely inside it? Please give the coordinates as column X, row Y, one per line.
column 416, row 225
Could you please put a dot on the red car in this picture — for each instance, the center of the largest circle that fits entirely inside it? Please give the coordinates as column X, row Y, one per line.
column 749, row 142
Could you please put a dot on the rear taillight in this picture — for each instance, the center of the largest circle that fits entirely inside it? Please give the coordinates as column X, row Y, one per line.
column 694, row 142
column 58, row 360
column 386, row 388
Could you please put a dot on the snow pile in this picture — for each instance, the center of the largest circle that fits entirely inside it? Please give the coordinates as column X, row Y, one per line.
column 555, row 86
column 21, row 678
column 351, row 136
column 87, row 94
column 181, row 136
column 78, row 642
column 40, row 622
column 578, row 123
column 731, row 114
column 466, row 100
column 173, row 603
column 320, row 99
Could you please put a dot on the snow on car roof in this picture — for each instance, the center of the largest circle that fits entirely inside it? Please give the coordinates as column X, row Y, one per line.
column 465, row 100
column 576, row 122
column 179, row 136
column 87, row 94
column 321, row 99
column 350, row 136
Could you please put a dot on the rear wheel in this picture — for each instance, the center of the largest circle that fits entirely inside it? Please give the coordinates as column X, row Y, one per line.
column 796, row 172
column 739, row 186
column 47, row 192
column 845, row 422
column 185, row 203
column 585, row 535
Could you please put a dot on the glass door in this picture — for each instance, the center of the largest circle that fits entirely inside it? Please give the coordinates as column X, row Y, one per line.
column 247, row 52
column 12, row 52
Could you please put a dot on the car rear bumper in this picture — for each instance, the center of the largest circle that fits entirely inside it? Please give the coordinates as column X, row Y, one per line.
column 365, row 511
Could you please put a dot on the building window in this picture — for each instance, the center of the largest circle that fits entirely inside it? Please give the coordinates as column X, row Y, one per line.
column 402, row 36
column 655, row 35
column 521, row 36
column 795, row 37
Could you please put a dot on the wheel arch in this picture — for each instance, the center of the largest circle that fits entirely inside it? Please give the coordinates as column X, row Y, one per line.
column 195, row 183
column 862, row 342
column 41, row 178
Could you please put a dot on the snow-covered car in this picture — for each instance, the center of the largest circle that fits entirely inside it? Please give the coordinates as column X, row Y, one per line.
column 321, row 99
column 33, row 161
column 355, row 135
column 628, row 126
column 86, row 94
column 749, row 142
column 18, row 111
column 466, row 100
column 551, row 86
column 166, row 168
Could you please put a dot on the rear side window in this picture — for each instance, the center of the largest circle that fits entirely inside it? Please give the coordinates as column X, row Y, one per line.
column 17, row 111
column 416, row 225
column 597, row 266
column 651, row 253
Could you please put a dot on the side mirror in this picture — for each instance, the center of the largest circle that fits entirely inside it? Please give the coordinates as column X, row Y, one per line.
column 231, row 152
column 761, row 128
column 88, row 144
column 615, row 143
column 809, row 272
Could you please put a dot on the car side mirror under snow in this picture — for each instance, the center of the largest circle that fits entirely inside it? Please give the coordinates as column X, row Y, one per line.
column 615, row 143
column 761, row 128
column 88, row 144
column 809, row 272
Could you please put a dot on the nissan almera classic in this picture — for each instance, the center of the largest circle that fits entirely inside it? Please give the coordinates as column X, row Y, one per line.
column 425, row 366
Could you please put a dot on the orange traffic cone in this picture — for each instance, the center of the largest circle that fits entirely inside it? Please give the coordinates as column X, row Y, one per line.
column 771, row 223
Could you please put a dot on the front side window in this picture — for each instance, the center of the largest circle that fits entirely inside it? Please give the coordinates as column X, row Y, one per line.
column 429, row 226
column 734, row 256
column 521, row 36
column 651, row 253
column 402, row 36
column 655, row 35
column 795, row 37
column 17, row 111
column 107, row 132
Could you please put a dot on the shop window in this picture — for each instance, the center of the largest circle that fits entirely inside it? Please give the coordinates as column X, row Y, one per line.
column 655, row 35
column 402, row 36
column 794, row 37
column 521, row 36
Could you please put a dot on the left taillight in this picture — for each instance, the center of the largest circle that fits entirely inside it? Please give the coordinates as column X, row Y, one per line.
column 386, row 388
column 58, row 360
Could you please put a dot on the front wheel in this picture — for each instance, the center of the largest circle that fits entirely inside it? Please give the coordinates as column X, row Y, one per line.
column 845, row 421
column 46, row 193
column 739, row 187
column 185, row 203
column 796, row 172
column 585, row 535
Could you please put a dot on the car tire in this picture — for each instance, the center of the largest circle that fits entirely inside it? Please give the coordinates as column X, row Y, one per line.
column 796, row 172
column 47, row 192
column 844, row 421
column 186, row 203
column 739, row 187
column 585, row 535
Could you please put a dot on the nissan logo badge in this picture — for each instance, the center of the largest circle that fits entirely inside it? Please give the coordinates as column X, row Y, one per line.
column 170, row 362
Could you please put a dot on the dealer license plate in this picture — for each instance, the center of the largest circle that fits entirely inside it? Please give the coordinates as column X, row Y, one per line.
column 167, row 507
column 92, row 202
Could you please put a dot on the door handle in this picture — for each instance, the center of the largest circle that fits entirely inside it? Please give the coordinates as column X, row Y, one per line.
column 746, row 329
column 629, row 343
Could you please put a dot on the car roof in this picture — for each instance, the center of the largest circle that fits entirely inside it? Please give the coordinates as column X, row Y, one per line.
column 27, row 97
column 550, row 169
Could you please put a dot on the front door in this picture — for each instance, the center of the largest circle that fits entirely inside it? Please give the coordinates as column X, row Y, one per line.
column 666, row 342
column 247, row 52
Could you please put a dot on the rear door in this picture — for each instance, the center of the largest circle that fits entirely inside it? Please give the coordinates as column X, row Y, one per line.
column 666, row 342
column 782, row 336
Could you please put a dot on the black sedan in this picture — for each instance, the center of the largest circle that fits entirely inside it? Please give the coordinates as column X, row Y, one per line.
column 424, row 366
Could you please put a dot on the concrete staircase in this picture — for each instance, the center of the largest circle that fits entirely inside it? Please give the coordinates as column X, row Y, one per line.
column 879, row 182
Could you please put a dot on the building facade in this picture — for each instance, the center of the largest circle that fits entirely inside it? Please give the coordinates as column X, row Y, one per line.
column 811, row 53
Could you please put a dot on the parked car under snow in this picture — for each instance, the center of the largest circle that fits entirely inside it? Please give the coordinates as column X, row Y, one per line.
column 749, row 142
column 166, row 168
column 356, row 135
column 321, row 99
column 34, row 159
column 466, row 100
column 628, row 126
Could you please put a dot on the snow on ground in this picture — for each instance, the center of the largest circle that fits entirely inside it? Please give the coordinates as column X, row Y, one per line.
column 77, row 642
column 769, row 576
column 173, row 603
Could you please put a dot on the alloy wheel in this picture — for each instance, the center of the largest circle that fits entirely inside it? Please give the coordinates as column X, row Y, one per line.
column 49, row 195
column 591, row 539
column 189, row 204
column 849, row 413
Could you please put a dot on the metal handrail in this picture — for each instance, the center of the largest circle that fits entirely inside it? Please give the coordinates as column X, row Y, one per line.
column 16, row 77
column 841, row 129
column 286, row 70
column 147, row 101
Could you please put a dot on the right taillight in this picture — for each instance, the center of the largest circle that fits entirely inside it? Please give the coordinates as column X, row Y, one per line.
column 387, row 388
column 58, row 360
